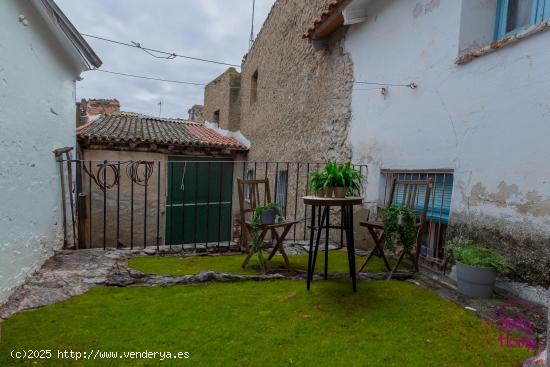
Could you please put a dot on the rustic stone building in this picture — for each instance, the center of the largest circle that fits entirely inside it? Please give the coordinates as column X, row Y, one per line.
column 222, row 100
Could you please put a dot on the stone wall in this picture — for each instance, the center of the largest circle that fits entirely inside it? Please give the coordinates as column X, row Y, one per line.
column 303, row 105
column 222, row 100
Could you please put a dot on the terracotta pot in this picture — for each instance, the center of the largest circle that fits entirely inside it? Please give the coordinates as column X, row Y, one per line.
column 323, row 193
column 339, row 192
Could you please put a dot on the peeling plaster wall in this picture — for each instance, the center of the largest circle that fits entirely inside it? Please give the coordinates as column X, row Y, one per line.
column 488, row 120
column 37, row 115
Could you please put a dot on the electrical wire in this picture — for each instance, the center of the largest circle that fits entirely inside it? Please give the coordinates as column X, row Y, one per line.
column 148, row 77
column 170, row 55
column 411, row 85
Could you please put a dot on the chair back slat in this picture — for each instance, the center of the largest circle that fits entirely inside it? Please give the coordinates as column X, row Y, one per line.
column 253, row 188
column 407, row 194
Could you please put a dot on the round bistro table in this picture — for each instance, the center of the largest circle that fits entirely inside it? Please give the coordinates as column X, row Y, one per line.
column 322, row 207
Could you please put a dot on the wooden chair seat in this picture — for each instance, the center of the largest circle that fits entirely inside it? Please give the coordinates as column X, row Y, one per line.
column 274, row 225
column 247, row 208
column 408, row 197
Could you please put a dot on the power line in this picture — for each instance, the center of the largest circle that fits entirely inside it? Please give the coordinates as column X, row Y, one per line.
column 148, row 77
column 410, row 85
column 382, row 85
column 169, row 55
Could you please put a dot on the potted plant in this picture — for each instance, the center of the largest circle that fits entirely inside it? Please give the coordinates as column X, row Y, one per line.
column 267, row 214
column 335, row 180
column 318, row 182
column 476, row 268
column 400, row 230
column 352, row 179
column 263, row 215
column 343, row 179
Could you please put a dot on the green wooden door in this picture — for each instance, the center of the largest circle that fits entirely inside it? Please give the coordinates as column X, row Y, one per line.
column 198, row 200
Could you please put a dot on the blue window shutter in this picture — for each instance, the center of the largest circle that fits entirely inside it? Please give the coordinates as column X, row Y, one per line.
column 502, row 10
column 540, row 11
column 439, row 204
column 544, row 8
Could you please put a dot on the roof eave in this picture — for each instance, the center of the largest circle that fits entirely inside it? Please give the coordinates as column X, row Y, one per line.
column 82, row 53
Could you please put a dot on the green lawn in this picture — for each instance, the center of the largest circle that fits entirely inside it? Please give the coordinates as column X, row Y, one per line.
column 337, row 263
column 269, row 323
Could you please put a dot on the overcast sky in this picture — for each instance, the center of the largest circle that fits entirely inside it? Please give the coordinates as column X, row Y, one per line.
column 210, row 29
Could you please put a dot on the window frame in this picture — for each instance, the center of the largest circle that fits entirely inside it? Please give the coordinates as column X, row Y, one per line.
column 538, row 10
column 281, row 191
column 254, row 88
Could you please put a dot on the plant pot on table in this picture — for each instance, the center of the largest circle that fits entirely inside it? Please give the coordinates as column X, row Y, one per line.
column 324, row 193
column 339, row 192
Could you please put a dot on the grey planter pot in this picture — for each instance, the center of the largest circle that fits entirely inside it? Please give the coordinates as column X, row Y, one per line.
column 475, row 282
column 268, row 216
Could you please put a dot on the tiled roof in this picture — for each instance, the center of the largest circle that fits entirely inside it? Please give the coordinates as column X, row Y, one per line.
column 125, row 127
column 331, row 9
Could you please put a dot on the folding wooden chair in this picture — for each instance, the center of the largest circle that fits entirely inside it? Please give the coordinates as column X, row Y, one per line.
column 413, row 194
column 247, row 206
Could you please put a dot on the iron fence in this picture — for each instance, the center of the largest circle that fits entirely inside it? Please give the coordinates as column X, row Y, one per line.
column 180, row 202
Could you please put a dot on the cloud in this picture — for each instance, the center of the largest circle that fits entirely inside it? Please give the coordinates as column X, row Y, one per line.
column 211, row 29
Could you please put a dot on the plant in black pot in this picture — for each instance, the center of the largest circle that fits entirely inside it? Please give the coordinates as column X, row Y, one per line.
column 263, row 215
column 268, row 214
column 476, row 268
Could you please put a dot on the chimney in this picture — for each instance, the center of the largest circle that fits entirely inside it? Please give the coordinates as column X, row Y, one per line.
column 92, row 107
column 196, row 113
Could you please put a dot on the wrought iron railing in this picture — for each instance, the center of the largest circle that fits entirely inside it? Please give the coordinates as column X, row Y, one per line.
column 181, row 202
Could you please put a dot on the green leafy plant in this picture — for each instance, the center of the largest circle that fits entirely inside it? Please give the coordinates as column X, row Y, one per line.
column 255, row 223
column 469, row 253
column 353, row 179
column 271, row 206
column 318, row 180
column 400, row 227
column 335, row 175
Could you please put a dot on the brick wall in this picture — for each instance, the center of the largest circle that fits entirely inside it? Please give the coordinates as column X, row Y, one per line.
column 99, row 106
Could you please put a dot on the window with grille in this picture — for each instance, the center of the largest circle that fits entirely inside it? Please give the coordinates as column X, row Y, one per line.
column 439, row 204
column 250, row 175
column 281, row 187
